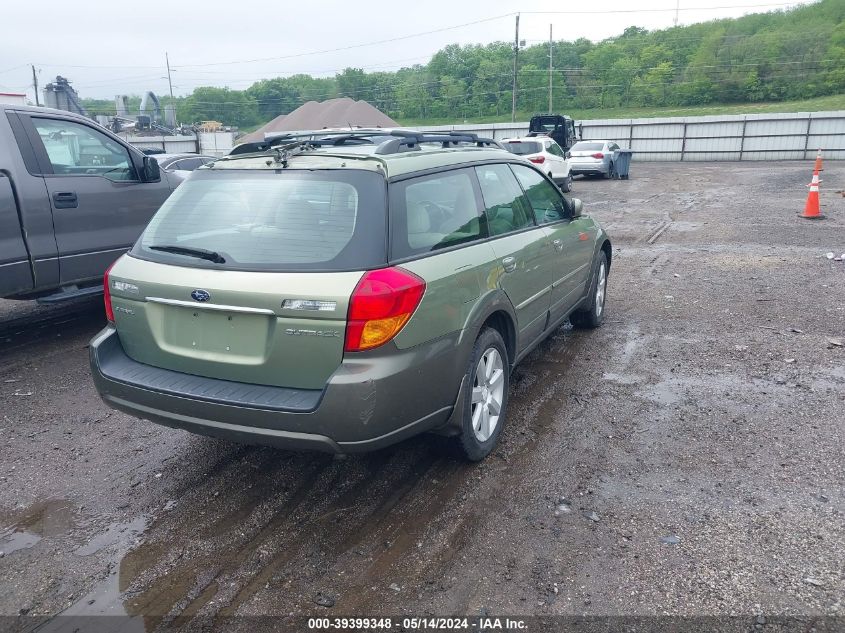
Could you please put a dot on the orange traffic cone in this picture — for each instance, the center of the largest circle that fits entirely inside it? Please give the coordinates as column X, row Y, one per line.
column 818, row 166
column 811, row 209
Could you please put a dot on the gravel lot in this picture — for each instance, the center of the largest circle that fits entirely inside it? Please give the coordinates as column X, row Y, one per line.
column 684, row 459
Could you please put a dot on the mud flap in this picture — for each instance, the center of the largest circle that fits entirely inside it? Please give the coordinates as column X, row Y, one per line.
column 453, row 424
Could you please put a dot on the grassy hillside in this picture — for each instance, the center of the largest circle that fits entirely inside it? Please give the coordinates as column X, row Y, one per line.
column 819, row 104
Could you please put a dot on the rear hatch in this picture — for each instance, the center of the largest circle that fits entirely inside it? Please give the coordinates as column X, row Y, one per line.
column 523, row 148
column 247, row 275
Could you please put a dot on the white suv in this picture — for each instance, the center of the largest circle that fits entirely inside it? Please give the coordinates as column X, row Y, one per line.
column 546, row 154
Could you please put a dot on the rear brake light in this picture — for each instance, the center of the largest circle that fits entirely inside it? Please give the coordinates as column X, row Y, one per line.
column 597, row 155
column 539, row 160
column 380, row 306
column 107, row 294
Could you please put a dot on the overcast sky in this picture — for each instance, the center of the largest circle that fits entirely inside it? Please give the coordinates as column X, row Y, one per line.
column 119, row 48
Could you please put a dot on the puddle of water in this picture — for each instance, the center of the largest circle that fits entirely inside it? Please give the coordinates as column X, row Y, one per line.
column 624, row 379
column 114, row 533
column 106, row 597
column 44, row 518
column 50, row 517
column 664, row 392
column 13, row 541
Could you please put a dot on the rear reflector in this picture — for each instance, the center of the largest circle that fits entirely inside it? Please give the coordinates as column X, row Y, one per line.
column 539, row 160
column 380, row 306
column 598, row 155
column 107, row 294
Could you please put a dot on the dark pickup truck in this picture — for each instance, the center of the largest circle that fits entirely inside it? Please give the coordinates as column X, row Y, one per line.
column 73, row 198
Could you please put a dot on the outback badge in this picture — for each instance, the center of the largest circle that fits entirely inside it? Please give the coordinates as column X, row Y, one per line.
column 200, row 295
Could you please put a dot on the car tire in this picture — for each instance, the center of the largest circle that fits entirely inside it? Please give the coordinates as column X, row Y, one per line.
column 566, row 184
column 609, row 173
column 487, row 380
column 591, row 315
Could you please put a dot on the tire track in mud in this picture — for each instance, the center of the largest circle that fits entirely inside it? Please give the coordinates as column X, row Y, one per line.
column 329, row 496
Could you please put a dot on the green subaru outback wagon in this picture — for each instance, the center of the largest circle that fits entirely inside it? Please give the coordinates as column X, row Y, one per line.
column 347, row 292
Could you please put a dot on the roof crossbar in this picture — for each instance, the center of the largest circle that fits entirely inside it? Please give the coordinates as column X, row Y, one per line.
column 404, row 140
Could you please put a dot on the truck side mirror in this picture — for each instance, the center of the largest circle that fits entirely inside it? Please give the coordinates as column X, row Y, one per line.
column 567, row 154
column 577, row 207
column 150, row 172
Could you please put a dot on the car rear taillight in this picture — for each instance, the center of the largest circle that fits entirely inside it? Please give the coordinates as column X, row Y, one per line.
column 538, row 160
column 107, row 294
column 380, row 306
column 597, row 155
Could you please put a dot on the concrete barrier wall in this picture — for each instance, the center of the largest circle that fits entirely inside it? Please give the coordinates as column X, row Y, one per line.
column 776, row 136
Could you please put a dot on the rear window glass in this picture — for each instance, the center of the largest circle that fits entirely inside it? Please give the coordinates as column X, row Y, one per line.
column 434, row 212
column 521, row 148
column 587, row 147
column 328, row 220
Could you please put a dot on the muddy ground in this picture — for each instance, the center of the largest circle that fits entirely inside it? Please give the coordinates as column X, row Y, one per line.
column 696, row 438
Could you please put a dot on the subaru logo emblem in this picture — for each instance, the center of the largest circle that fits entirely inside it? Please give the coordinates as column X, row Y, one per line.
column 200, row 295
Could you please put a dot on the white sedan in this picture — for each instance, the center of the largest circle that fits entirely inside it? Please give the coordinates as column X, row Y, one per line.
column 546, row 154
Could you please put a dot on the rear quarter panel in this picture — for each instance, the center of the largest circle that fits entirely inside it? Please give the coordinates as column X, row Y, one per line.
column 454, row 282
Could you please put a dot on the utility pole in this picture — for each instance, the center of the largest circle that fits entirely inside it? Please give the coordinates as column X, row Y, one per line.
column 550, row 68
column 677, row 8
column 515, row 57
column 169, row 81
column 35, row 85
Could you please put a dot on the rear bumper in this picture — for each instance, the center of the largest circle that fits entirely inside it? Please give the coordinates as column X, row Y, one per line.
column 371, row 401
column 588, row 168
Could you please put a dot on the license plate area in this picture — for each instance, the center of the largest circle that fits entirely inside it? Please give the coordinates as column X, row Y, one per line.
column 215, row 334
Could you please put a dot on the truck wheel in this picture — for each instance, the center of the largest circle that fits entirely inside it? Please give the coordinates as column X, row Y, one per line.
column 486, row 399
column 591, row 314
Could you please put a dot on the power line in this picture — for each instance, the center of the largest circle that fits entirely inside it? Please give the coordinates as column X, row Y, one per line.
column 664, row 10
column 350, row 47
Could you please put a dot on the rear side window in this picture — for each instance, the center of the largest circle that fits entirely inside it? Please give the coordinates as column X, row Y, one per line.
column 547, row 203
column 505, row 205
column 554, row 148
column 521, row 148
column 329, row 220
column 434, row 212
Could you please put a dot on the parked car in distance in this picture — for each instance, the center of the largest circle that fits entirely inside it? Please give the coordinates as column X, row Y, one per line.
column 73, row 198
column 177, row 167
column 343, row 295
column 544, row 152
column 594, row 158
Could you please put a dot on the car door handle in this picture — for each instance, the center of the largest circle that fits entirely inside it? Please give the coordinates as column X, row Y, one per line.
column 509, row 264
column 65, row 200
column 558, row 244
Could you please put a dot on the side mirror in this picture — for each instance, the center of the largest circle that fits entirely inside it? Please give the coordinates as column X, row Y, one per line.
column 577, row 207
column 567, row 155
column 150, row 172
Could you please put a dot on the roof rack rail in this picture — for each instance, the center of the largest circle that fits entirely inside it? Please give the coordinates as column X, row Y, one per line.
column 271, row 139
column 404, row 140
column 412, row 141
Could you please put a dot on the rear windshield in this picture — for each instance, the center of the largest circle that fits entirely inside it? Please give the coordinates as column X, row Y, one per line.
column 587, row 147
column 522, row 148
column 328, row 220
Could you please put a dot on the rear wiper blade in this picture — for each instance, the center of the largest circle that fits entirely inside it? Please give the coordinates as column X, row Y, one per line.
column 202, row 253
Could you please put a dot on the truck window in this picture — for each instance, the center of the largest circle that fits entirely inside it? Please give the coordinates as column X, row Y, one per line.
column 78, row 150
